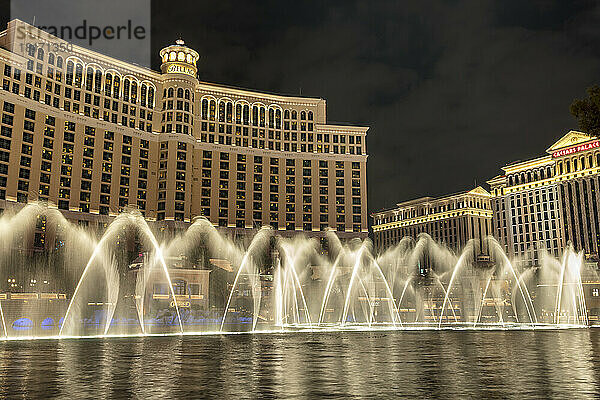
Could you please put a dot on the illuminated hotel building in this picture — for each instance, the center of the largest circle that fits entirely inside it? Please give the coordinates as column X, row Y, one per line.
column 94, row 135
column 451, row 220
column 549, row 201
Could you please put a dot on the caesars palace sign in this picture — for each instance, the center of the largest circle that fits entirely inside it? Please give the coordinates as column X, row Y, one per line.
column 576, row 149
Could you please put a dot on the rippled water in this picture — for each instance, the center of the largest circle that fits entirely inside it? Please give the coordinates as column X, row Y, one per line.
column 449, row 364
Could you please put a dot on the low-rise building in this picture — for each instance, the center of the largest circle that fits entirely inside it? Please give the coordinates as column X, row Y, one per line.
column 452, row 220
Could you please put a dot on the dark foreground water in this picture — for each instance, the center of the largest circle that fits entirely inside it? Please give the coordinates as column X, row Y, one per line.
column 427, row 364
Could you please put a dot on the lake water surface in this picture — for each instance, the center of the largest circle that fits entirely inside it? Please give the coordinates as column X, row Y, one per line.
column 375, row 365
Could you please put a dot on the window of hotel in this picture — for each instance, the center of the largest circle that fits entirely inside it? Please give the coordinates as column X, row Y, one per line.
column 98, row 81
column 89, row 79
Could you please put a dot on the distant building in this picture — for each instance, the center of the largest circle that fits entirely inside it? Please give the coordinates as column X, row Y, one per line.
column 452, row 220
column 190, row 282
column 546, row 202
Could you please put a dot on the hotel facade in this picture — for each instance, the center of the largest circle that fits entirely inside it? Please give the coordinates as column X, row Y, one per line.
column 94, row 136
column 451, row 220
column 543, row 204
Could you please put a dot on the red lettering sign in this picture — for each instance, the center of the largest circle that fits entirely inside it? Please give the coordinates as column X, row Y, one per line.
column 576, row 149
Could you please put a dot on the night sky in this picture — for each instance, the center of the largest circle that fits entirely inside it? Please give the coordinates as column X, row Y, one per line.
column 451, row 90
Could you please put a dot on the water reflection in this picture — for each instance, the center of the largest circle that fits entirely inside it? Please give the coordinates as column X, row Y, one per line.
column 490, row 364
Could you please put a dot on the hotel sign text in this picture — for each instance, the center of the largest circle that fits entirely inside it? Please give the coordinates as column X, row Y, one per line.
column 181, row 69
column 576, row 149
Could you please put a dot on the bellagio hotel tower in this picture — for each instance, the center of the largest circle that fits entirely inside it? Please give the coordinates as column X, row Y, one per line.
column 93, row 136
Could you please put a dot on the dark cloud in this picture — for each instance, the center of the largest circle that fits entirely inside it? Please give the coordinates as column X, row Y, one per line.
column 452, row 90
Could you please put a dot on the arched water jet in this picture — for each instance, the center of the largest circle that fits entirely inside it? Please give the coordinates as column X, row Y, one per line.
column 159, row 254
column 445, row 292
column 15, row 225
column 110, row 290
column 259, row 239
column 351, row 284
column 328, row 288
column 241, row 269
column 520, row 281
column 526, row 297
column 466, row 252
column 143, row 276
column 200, row 233
column 582, row 304
column 278, row 296
column 487, row 285
column 289, row 296
column 344, row 255
column 406, row 283
column 391, row 302
column 499, row 311
column 443, row 258
column 559, row 291
column 111, row 277
column 396, row 257
column 256, row 296
column 3, row 321
column 570, row 275
column 300, row 265
column 369, row 309
column 523, row 290
column 291, row 268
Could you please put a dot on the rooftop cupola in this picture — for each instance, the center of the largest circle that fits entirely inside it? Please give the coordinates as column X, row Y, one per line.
column 179, row 59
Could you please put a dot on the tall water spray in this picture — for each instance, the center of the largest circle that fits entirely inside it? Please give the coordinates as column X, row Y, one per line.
column 93, row 285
